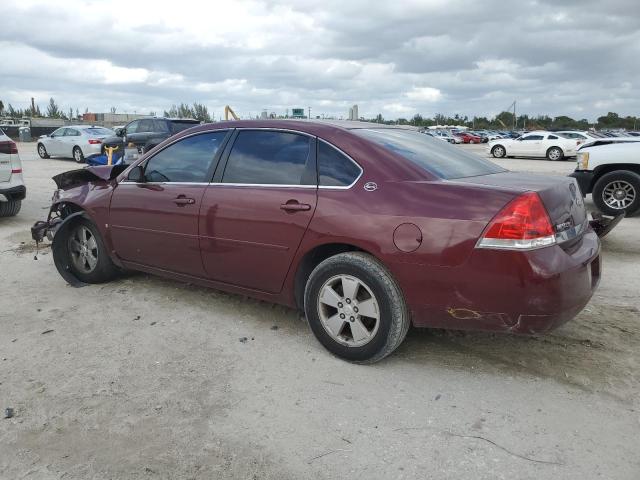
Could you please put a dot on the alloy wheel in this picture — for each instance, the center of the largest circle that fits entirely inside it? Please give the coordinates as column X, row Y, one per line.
column 619, row 194
column 348, row 310
column 498, row 152
column 554, row 154
column 83, row 249
column 77, row 155
column 42, row 151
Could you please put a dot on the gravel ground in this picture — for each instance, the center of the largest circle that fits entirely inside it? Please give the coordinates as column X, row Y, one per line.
column 147, row 378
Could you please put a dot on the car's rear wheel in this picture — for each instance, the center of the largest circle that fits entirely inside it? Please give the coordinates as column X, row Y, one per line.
column 87, row 255
column 617, row 192
column 498, row 151
column 355, row 307
column 555, row 153
column 42, row 151
column 78, row 156
column 10, row 208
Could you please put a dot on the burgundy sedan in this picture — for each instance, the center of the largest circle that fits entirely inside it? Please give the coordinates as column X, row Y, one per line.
column 366, row 228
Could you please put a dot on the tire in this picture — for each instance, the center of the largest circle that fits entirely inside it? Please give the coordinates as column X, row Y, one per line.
column 498, row 151
column 616, row 192
column 103, row 270
column 372, row 338
column 78, row 156
column 10, row 208
column 554, row 154
column 42, row 151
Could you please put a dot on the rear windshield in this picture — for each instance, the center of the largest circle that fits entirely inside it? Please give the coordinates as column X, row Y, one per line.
column 435, row 156
column 179, row 126
column 98, row 131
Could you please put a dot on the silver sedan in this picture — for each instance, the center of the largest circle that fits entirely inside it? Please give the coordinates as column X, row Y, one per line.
column 74, row 141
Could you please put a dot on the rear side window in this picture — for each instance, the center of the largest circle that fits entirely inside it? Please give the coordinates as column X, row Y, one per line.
column 269, row 158
column 160, row 126
column 145, row 126
column 188, row 160
column 434, row 156
column 532, row 137
column 552, row 137
column 334, row 168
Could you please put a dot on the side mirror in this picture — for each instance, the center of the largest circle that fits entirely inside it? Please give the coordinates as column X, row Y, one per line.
column 136, row 174
column 120, row 132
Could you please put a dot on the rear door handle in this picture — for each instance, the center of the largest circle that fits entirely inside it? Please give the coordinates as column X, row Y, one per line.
column 295, row 207
column 182, row 200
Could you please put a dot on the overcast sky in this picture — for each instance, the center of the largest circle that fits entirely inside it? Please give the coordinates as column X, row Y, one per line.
column 398, row 58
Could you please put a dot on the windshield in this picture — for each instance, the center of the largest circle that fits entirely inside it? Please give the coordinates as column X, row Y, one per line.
column 435, row 156
column 98, row 131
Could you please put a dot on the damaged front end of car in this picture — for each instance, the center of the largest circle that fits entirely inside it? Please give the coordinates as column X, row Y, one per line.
column 76, row 191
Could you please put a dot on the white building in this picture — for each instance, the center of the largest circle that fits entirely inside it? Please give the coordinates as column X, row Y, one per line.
column 353, row 113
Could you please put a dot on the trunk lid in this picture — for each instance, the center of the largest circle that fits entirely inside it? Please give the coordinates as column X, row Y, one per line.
column 5, row 158
column 560, row 196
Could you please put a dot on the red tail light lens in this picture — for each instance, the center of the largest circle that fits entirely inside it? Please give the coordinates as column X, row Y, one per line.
column 523, row 224
column 8, row 147
column 94, row 141
column 16, row 170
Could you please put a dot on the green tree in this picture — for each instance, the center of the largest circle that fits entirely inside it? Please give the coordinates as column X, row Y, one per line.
column 53, row 111
column 200, row 112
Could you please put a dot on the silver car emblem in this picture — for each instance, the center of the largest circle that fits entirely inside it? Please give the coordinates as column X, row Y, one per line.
column 370, row 186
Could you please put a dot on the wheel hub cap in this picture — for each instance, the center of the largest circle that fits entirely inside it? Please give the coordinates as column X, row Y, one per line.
column 619, row 194
column 348, row 310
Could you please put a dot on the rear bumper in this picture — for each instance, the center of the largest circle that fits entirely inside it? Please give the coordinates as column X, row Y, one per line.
column 19, row 192
column 585, row 181
column 518, row 292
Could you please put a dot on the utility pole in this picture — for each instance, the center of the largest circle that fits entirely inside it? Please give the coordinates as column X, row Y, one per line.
column 515, row 121
column 309, row 112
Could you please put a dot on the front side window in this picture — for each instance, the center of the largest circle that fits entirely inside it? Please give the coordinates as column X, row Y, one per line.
column 533, row 137
column 188, row 160
column 58, row 133
column 133, row 127
column 71, row 132
column 269, row 158
column 145, row 126
column 334, row 168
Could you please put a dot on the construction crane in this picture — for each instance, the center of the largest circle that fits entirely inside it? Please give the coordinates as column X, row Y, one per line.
column 229, row 111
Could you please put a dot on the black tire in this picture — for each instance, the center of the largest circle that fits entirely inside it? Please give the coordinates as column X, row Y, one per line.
column 104, row 270
column 78, row 156
column 42, row 151
column 555, row 154
column 627, row 180
column 10, row 208
column 393, row 322
column 498, row 151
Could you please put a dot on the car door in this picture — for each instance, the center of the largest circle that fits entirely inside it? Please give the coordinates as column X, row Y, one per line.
column 154, row 222
column 530, row 145
column 257, row 210
column 68, row 141
column 54, row 143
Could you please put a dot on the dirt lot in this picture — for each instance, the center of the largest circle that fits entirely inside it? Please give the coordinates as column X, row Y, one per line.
column 147, row 378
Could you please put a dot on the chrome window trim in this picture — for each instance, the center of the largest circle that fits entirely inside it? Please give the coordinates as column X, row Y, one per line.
column 268, row 185
column 129, row 182
column 330, row 187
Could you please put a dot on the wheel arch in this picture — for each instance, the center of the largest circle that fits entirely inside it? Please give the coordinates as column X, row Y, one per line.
column 601, row 170
column 312, row 259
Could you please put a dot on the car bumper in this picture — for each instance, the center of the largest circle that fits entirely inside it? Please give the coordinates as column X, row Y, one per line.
column 91, row 149
column 18, row 192
column 518, row 292
column 585, row 181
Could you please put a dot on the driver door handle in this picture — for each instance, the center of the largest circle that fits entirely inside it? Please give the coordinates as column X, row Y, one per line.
column 182, row 200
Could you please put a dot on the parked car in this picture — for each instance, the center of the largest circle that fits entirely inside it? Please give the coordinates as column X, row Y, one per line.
column 12, row 189
column 446, row 136
column 367, row 228
column 74, row 141
column 534, row 144
column 581, row 137
column 468, row 137
column 609, row 170
column 146, row 133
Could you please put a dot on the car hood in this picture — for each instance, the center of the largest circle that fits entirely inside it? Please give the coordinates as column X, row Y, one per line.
column 100, row 173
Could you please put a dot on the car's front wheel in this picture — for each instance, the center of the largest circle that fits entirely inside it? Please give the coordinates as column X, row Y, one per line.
column 617, row 192
column 78, row 156
column 42, row 151
column 498, row 151
column 87, row 256
column 355, row 308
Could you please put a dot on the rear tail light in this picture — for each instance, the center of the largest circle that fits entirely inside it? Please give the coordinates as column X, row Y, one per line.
column 16, row 170
column 523, row 224
column 94, row 141
column 8, row 147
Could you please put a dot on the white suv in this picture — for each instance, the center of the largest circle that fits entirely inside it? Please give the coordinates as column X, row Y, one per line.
column 12, row 189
